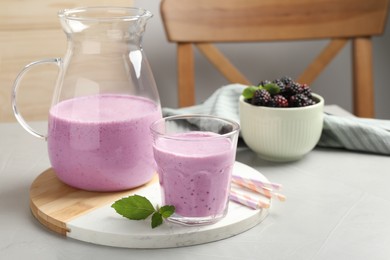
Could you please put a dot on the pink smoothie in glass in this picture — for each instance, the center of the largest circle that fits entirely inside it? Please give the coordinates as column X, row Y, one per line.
column 102, row 142
column 195, row 175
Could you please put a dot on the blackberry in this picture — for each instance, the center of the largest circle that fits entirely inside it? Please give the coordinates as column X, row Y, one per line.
column 299, row 100
column 286, row 80
column 291, row 90
column 279, row 101
column 305, row 89
column 280, row 83
column 261, row 97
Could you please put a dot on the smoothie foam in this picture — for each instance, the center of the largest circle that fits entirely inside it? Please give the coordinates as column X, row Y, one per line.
column 102, row 142
column 195, row 174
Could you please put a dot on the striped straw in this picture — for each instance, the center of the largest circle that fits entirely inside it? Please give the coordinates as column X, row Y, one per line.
column 247, row 200
column 267, row 192
column 274, row 186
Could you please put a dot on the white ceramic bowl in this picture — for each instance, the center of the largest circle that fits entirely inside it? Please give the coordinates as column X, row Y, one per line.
column 281, row 134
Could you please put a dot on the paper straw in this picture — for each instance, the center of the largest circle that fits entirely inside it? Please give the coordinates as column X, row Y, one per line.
column 274, row 186
column 247, row 200
column 267, row 192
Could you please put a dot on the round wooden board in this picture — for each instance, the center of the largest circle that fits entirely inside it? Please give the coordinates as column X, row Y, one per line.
column 88, row 216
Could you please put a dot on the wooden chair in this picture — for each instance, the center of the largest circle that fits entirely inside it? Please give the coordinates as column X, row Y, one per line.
column 204, row 22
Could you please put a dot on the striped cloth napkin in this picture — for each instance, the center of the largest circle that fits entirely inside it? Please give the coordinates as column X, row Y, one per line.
column 356, row 134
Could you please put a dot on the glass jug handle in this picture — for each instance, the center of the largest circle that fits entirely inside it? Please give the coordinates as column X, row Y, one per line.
column 19, row 118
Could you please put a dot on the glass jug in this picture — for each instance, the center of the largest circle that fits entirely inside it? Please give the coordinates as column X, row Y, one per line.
column 104, row 101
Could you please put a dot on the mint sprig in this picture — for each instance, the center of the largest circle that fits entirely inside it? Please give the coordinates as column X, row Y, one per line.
column 136, row 207
column 249, row 91
column 272, row 88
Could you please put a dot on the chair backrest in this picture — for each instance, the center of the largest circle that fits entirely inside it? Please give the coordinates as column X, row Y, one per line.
column 204, row 22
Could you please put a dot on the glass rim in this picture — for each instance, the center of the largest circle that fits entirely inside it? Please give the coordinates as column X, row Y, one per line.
column 234, row 124
column 106, row 13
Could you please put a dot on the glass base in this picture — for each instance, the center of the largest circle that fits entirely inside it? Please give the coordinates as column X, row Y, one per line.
column 196, row 221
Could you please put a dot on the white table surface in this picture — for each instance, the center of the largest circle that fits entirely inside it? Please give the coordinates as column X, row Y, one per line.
column 338, row 207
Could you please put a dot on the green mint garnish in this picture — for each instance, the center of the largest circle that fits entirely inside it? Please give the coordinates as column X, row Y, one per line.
column 249, row 91
column 272, row 88
column 167, row 211
column 157, row 219
column 136, row 207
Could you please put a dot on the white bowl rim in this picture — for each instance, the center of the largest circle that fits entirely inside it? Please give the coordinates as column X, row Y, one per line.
column 320, row 103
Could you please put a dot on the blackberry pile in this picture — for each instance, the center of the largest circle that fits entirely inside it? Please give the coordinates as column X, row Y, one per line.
column 282, row 92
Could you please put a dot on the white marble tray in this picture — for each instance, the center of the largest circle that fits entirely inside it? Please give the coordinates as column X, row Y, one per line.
column 103, row 226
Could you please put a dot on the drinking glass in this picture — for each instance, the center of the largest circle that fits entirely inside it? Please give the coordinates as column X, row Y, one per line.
column 194, row 155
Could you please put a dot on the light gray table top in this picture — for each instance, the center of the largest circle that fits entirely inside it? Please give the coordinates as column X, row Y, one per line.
column 338, row 207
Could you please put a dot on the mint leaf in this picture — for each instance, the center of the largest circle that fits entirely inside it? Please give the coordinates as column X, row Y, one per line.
column 167, row 211
column 134, row 207
column 272, row 88
column 157, row 219
column 249, row 91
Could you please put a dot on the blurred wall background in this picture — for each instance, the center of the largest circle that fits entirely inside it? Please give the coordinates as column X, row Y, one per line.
column 30, row 30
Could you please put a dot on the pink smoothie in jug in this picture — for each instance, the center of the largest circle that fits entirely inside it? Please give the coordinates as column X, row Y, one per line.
column 102, row 142
column 195, row 175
